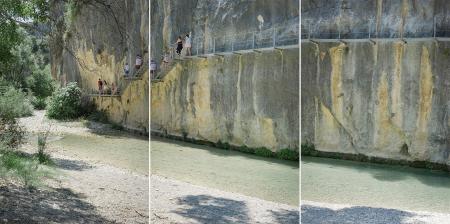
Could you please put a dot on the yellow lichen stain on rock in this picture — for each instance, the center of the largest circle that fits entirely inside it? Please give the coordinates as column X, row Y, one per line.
column 425, row 106
column 396, row 100
column 426, row 91
column 387, row 136
column 337, row 99
column 327, row 130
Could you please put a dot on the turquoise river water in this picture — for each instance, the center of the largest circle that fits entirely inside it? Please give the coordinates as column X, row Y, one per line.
column 355, row 183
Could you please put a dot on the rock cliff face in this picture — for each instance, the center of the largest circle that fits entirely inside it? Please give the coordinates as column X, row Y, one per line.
column 95, row 41
column 249, row 99
column 384, row 98
column 206, row 19
column 390, row 99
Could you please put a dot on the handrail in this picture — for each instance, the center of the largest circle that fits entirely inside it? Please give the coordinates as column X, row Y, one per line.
column 275, row 36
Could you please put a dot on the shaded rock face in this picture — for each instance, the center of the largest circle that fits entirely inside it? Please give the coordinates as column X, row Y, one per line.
column 408, row 18
column 249, row 99
column 102, row 36
column 206, row 19
column 388, row 99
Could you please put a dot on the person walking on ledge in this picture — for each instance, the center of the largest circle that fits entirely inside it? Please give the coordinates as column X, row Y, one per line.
column 126, row 70
column 153, row 68
column 179, row 44
column 100, row 86
column 188, row 45
column 138, row 62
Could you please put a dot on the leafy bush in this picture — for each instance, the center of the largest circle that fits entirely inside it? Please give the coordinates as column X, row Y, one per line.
column 41, row 83
column 14, row 103
column 65, row 103
column 39, row 103
column 98, row 116
column 43, row 157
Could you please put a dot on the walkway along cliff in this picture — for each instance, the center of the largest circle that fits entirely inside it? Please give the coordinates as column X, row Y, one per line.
column 233, row 91
column 94, row 39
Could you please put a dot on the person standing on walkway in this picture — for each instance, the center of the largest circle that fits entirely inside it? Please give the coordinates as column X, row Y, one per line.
column 100, row 86
column 165, row 60
column 126, row 69
column 188, row 45
column 179, row 44
column 153, row 68
column 138, row 62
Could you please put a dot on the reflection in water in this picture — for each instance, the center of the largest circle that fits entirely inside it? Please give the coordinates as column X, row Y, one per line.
column 269, row 179
column 347, row 182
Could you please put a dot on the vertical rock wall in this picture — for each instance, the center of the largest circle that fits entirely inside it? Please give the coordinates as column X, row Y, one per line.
column 96, row 42
column 390, row 99
column 250, row 99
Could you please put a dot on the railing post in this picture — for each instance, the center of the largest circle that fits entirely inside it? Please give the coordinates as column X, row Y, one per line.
column 370, row 27
column 253, row 41
column 274, row 33
column 214, row 45
column 434, row 26
column 309, row 30
column 232, row 45
column 196, row 44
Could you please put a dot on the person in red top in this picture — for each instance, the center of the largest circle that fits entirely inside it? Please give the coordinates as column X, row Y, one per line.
column 100, row 86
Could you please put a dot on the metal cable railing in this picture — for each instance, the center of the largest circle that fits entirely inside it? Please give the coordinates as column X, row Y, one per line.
column 275, row 36
column 311, row 30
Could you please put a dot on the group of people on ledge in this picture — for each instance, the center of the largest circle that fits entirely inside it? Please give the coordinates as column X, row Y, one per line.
column 103, row 85
column 180, row 43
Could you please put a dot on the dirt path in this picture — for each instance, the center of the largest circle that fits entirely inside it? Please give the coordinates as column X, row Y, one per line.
column 85, row 191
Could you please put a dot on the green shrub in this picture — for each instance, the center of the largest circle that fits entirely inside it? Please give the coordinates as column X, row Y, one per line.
column 99, row 116
column 11, row 134
column 39, row 103
column 65, row 103
column 116, row 126
column 263, row 152
column 308, row 149
column 41, row 83
column 14, row 103
column 288, row 154
column 245, row 149
column 43, row 157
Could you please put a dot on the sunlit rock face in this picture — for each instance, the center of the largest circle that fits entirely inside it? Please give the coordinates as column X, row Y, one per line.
column 249, row 99
column 101, row 38
column 206, row 19
column 388, row 99
column 243, row 100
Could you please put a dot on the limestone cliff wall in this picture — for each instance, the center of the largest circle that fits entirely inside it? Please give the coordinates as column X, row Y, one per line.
column 250, row 99
column 206, row 19
column 390, row 99
column 95, row 41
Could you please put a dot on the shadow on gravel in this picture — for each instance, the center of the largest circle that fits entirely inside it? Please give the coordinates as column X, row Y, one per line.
column 286, row 216
column 60, row 205
column 353, row 215
column 75, row 165
column 209, row 209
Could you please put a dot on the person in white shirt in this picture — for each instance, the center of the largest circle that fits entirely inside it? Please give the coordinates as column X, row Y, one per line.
column 138, row 62
column 126, row 69
column 188, row 45
column 153, row 68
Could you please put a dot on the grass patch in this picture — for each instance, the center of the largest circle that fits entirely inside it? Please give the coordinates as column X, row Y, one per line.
column 99, row 116
column 116, row 126
column 24, row 169
column 245, row 149
column 264, row 152
column 288, row 154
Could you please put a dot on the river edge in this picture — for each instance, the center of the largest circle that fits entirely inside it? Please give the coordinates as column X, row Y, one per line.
column 83, row 190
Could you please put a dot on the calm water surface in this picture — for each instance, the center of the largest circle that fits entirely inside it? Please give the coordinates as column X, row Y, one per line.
column 269, row 179
column 347, row 182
